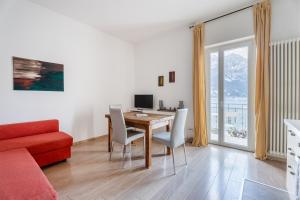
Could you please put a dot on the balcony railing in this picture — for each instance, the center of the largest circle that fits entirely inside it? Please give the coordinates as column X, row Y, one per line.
column 235, row 119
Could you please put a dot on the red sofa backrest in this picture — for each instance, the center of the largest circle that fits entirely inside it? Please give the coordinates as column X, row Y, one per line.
column 8, row 131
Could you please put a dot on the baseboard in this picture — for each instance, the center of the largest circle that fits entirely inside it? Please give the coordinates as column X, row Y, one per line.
column 280, row 159
column 100, row 138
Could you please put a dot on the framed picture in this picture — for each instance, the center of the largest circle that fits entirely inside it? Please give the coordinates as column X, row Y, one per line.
column 172, row 77
column 161, row 81
column 37, row 75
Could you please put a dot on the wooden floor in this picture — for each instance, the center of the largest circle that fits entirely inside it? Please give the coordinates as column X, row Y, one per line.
column 213, row 172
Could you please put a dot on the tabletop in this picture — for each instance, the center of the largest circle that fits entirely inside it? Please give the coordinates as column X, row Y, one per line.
column 151, row 118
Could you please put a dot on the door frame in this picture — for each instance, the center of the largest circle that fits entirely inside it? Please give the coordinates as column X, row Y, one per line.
column 249, row 41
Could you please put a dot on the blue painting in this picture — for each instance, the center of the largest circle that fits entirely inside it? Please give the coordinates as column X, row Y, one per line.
column 37, row 75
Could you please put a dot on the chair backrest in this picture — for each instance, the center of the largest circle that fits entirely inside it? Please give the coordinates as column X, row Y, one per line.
column 115, row 106
column 119, row 132
column 177, row 133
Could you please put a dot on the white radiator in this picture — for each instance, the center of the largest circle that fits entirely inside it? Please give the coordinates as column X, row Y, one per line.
column 284, row 92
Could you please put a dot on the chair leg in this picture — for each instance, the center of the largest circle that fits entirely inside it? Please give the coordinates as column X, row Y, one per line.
column 124, row 151
column 165, row 150
column 184, row 154
column 173, row 161
column 111, row 150
column 144, row 145
column 130, row 150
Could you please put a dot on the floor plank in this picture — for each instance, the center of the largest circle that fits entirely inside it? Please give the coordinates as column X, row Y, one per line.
column 213, row 172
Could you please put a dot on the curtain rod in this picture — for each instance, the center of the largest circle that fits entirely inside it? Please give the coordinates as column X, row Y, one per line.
column 192, row 26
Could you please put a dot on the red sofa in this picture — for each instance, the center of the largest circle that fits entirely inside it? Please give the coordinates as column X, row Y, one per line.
column 24, row 148
column 22, row 179
column 42, row 139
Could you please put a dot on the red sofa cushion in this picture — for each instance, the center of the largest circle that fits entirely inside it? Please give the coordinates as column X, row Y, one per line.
column 9, row 131
column 22, row 179
column 37, row 144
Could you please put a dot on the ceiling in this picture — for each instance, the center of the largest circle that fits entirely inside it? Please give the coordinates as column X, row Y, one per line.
column 139, row 20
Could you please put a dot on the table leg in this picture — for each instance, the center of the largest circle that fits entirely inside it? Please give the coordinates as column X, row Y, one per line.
column 148, row 152
column 109, row 135
column 168, row 130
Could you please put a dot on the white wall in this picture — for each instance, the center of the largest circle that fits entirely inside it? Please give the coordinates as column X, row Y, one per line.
column 285, row 19
column 98, row 69
column 232, row 27
column 157, row 57
column 173, row 51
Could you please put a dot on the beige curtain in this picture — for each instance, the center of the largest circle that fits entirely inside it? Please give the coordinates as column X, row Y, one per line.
column 262, row 26
column 199, row 88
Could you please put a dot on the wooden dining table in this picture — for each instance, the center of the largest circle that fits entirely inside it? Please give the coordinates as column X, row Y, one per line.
column 148, row 123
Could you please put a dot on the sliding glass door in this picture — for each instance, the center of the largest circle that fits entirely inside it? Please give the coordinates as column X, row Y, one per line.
column 230, row 71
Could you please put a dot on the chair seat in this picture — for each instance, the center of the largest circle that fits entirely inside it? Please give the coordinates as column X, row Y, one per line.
column 129, row 128
column 133, row 135
column 163, row 137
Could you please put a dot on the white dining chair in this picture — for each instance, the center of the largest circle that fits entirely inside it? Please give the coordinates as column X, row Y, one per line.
column 120, row 106
column 121, row 134
column 175, row 138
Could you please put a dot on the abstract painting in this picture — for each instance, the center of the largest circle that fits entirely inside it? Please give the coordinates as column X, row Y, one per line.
column 37, row 75
column 172, row 77
column 161, row 81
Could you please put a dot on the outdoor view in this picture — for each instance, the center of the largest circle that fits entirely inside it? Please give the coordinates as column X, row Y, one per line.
column 235, row 91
